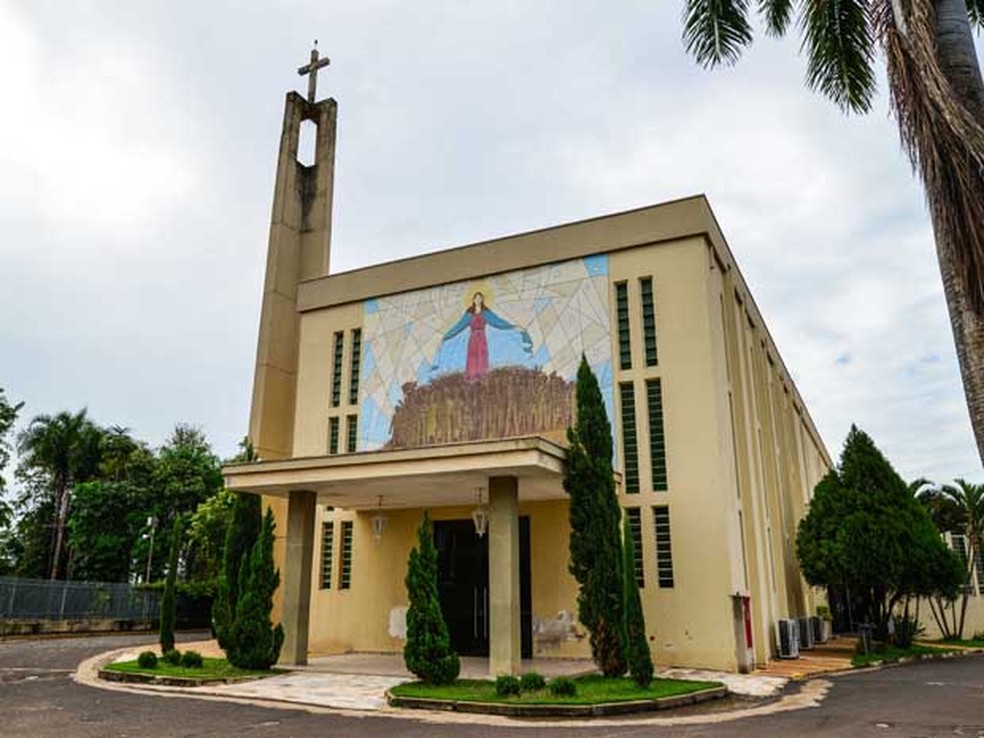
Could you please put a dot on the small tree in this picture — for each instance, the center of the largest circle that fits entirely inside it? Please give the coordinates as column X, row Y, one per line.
column 637, row 654
column 253, row 641
column 865, row 534
column 168, row 603
column 427, row 652
column 595, row 544
column 241, row 536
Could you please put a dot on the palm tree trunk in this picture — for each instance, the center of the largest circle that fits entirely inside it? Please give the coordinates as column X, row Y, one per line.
column 958, row 62
column 60, row 518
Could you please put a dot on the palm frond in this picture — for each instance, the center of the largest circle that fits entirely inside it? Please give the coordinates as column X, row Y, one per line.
column 975, row 9
column 716, row 31
column 777, row 14
column 945, row 143
column 840, row 44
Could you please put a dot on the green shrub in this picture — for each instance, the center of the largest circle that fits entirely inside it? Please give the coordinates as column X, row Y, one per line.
column 147, row 660
column 172, row 657
column 563, row 687
column 507, row 685
column 907, row 629
column 427, row 653
column 531, row 681
column 253, row 642
column 979, row 635
column 191, row 660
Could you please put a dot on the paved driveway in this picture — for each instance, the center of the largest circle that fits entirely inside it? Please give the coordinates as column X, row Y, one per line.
column 39, row 699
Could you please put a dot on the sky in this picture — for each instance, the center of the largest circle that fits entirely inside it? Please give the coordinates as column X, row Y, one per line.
column 138, row 143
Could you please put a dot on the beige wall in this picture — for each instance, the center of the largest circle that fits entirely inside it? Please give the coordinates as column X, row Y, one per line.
column 742, row 459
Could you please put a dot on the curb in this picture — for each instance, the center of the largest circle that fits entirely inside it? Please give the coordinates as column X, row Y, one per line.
column 955, row 654
column 171, row 681
column 604, row 709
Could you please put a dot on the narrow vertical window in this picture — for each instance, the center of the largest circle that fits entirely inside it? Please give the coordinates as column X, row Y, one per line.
column 630, row 445
column 664, row 549
column 657, row 440
column 634, row 515
column 622, row 317
column 354, row 363
column 351, row 433
column 327, row 552
column 345, row 580
column 336, row 369
column 648, row 320
column 332, row 435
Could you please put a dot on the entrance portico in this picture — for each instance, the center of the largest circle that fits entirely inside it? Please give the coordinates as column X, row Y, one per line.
column 509, row 471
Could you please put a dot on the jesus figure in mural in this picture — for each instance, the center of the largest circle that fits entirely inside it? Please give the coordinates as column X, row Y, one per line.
column 475, row 319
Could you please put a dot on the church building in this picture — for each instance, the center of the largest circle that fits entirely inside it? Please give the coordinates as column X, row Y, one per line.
column 445, row 383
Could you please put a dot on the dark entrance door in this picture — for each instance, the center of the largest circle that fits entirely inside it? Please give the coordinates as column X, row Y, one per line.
column 463, row 585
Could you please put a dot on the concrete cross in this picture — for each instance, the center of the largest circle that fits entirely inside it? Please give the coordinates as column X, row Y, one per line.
column 311, row 70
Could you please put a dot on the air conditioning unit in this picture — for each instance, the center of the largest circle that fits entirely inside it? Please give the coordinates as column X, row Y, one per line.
column 805, row 634
column 787, row 639
column 819, row 629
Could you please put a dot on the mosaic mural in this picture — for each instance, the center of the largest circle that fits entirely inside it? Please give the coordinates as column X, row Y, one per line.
column 481, row 359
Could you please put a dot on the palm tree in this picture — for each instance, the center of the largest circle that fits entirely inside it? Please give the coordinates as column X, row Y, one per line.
column 969, row 498
column 937, row 96
column 65, row 448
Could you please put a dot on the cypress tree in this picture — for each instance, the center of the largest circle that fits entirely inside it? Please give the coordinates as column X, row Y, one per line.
column 244, row 528
column 254, row 642
column 427, row 652
column 168, row 602
column 637, row 653
column 595, row 543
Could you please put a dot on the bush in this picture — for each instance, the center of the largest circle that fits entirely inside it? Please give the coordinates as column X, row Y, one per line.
column 563, row 687
column 979, row 635
column 507, row 685
column 191, row 660
column 907, row 629
column 252, row 641
column 427, row 653
column 172, row 657
column 147, row 660
column 531, row 681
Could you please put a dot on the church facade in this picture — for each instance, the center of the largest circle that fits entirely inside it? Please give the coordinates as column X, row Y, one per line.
column 445, row 383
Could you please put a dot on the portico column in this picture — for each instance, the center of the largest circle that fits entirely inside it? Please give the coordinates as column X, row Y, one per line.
column 297, row 576
column 504, row 632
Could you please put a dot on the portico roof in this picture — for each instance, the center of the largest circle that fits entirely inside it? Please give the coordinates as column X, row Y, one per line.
column 429, row 476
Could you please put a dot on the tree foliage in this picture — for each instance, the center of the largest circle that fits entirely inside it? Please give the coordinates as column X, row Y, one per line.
column 427, row 653
column 936, row 93
column 865, row 534
column 595, row 542
column 168, row 601
column 637, row 653
column 244, row 528
column 252, row 641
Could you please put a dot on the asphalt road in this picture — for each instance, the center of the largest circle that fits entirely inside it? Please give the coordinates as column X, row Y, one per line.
column 38, row 699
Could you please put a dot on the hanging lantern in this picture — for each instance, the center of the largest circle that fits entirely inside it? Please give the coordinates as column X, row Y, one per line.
column 379, row 521
column 480, row 515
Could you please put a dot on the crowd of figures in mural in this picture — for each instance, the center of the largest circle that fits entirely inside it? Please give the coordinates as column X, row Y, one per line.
column 440, row 363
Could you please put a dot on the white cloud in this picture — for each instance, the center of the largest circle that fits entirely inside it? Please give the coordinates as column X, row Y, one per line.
column 136, row 170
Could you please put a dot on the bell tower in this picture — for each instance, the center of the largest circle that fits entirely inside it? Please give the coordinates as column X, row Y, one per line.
column 299, row 249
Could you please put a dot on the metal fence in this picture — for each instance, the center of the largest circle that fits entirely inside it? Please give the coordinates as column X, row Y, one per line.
column 39, row 599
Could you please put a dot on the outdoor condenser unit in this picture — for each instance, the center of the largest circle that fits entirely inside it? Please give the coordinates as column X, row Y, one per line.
column 787, row 638
column 805, row 634
column 819, row 629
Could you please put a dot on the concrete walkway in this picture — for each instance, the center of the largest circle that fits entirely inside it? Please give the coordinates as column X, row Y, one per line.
column 359, row 681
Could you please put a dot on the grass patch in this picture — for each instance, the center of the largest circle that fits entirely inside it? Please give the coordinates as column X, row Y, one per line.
column 892, row 653
column 591, row 690
column 211, row 669
column 967, row 642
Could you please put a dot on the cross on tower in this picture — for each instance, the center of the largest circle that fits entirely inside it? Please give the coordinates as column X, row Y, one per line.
column 311, row 70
